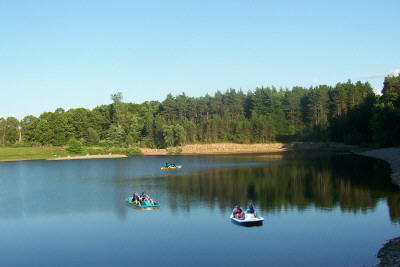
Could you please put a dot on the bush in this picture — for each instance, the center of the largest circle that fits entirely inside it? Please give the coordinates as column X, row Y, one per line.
column 93, row 137
column 74, row 146
column 170, row 152
column 134, row 152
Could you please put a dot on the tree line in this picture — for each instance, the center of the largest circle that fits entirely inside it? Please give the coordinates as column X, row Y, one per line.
column 347, row 112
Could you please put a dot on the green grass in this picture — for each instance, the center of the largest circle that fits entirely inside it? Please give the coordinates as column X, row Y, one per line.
column 50, row 152
column 31, row 153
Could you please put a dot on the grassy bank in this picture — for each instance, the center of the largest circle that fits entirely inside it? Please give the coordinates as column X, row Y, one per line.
column 50, row 152
column 31, row 153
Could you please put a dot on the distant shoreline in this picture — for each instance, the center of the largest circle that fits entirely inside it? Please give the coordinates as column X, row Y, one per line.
column 107, row 156
column 9, row 154
column 231, row 148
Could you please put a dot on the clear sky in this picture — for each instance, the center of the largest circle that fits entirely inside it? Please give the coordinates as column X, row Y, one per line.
column 76, row 53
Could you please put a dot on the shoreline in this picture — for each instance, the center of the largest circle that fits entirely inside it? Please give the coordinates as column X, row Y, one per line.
column 231, row 148
column 389, row 254
column 109, row 156
column 10, row 154
column 391, row 156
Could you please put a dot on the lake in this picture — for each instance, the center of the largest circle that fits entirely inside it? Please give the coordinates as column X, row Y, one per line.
column 320, row 209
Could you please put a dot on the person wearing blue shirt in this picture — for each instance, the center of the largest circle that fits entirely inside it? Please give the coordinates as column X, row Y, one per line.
column 136, row 198
column 251, row 210
column 145, row 197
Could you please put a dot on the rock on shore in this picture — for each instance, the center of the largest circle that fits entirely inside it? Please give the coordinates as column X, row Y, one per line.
column 390, row 253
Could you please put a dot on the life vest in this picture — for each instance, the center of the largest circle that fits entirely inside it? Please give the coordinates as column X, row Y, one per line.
column 236, row 211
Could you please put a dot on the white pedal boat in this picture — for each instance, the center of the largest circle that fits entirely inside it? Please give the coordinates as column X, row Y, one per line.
column 249, row 220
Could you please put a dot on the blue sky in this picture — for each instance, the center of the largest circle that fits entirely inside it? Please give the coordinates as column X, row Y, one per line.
column 76, row 53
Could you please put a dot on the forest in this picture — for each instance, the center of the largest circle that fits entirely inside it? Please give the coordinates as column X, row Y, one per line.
column 347, row 112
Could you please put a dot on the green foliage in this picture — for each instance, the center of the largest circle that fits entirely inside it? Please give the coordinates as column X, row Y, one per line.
column 130, row 152
column 171, row 151
column 93, row 137
column 386, row 124
column 168, row 133
column 74, row 146
column 134, row 152
column 115, row 135
column 11, row 130
column 180, row 134
column 2, row 131
column 347, row 112
column 391, row 89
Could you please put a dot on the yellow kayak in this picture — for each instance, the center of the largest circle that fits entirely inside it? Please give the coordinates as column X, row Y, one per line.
column 171, row 168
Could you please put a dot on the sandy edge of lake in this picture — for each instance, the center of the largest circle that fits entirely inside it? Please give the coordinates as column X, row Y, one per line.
column 107, row 156
column 230, row 148
column 389, row 254
column 199, row 149
column 222, row 148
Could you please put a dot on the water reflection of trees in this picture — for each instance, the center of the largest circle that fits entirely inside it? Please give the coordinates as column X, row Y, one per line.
column 352, row 183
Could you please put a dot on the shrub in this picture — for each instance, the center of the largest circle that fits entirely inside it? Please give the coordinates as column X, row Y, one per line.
column 134, row 152
column 93, row 137
column 170, row 151
column 74, row 146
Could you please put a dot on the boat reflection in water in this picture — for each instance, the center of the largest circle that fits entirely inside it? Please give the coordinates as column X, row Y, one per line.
column 74, row 212
column 354, row 184
column 290, row 181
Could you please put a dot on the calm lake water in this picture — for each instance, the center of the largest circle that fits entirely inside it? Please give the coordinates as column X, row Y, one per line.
column 319, row 210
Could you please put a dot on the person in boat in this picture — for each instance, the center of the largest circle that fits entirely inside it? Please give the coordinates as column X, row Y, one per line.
column 145, row 197
column 168, row 165
column 173, row 165
column 238, row 212
column 136, row 198
column 251, row 210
